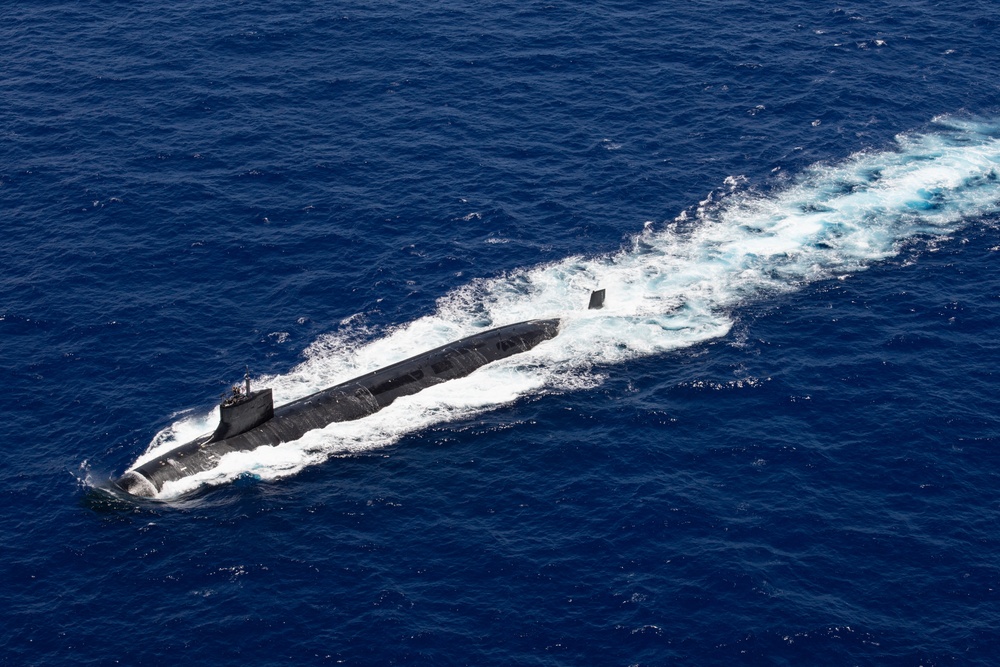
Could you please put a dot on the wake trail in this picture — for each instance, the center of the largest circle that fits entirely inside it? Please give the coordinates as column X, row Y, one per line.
column 676, row 286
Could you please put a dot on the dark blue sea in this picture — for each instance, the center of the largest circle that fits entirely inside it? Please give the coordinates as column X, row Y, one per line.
column 777, row 444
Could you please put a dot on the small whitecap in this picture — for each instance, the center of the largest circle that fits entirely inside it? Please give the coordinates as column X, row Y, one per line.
column 733, row 182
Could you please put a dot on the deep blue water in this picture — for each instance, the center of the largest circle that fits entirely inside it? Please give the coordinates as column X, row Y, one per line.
column 777, row 444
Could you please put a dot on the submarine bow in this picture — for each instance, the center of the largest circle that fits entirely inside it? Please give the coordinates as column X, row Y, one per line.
column 251, row 420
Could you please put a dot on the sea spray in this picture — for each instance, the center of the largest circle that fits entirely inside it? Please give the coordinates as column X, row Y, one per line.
column 675, row 286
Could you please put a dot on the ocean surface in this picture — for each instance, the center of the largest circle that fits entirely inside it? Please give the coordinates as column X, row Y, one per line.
column 777, row 444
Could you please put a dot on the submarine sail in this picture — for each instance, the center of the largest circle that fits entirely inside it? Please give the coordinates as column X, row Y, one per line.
column 249, row 420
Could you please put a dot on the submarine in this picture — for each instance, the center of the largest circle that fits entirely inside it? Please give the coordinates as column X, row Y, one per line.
column 248, row 419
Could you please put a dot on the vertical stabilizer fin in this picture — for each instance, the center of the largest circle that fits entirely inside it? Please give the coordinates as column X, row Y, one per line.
column 596, row 300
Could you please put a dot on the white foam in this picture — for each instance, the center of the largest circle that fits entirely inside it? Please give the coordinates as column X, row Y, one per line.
column 676, row 286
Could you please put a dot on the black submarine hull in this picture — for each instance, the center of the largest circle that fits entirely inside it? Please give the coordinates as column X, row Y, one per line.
column 254, row 422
